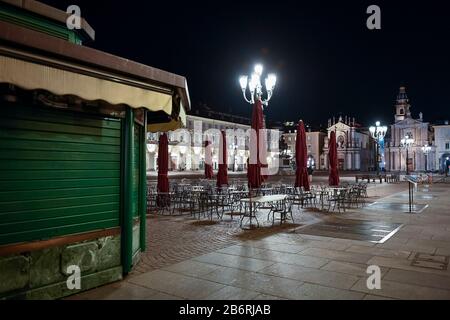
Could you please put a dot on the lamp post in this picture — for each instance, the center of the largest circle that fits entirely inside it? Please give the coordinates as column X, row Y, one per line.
column 234, row 147
column 310, row 164
column 406, row 142
column 446, row 166
column 256, row 94
column 378, row 132
column 426, row 149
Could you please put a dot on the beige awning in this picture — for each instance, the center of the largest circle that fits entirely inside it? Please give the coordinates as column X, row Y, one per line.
column 32, row 76
column 171, row 125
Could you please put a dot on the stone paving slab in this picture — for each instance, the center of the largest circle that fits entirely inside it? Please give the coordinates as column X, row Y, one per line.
column 356, row 269
column 310, row 291
column 404, row 264
column 392, row 289
column 176, row 284
column 266, row 284
column 124, row 291
column 337, row 255
column 418, row 278
column 238, row 262
column 281, row 247
column 233, row 293
column 187, row 260
column 397, row 207
column 242, row 250
column 192, row 268
column 268, row 297
column 311, row 275
column 377, row 251
column 292, row 258
column 443, row 251
column 353, row 229
column 401, row 246
column 373, row 297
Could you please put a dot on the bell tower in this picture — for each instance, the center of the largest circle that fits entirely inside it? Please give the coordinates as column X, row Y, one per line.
column 402, row 106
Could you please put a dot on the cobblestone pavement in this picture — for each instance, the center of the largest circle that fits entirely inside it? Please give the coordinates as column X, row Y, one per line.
column 172, row 239
column 190, row 259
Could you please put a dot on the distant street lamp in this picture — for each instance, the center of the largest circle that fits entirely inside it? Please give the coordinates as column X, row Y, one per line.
column 311, row 163
column 426, row 149
column 254, row 86
column 446, row 166
column 406, row 142
column 234, row 147
column 378, row 133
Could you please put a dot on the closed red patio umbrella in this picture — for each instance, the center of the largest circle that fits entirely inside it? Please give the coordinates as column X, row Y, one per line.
column 333, row 178
column 163, row 166
column 254, row 166
column 222, row 174
column 301, row 158
column 209, row 174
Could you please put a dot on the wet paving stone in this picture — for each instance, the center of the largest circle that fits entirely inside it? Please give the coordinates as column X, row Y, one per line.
column 397, row 207
column 416, row 196
column 376, row 232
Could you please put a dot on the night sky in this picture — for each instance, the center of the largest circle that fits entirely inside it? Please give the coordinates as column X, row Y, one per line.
column 326, row 60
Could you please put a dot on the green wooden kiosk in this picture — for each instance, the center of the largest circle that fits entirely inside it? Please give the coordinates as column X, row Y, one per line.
column 72, row 153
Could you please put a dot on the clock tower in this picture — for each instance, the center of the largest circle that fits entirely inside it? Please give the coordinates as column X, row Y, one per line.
column 402, row 106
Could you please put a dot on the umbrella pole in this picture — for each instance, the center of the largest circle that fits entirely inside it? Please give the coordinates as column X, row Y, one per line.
column 251, row 206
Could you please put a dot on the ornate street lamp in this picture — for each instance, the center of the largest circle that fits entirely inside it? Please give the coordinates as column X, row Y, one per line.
column 254, row 86
column 378, row 133
column 426, row 149
column 406, row 142
column 256, row 94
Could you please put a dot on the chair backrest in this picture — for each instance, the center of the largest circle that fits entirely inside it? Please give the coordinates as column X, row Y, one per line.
column 342, row 194
column 301, row 190
column 288, row 203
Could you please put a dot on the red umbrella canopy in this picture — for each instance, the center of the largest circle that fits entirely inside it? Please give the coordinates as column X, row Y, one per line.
column 254, row 165
column 209, row 174
column 222, row 174
column 301, row 158
column 163, row 164
column 333, row 178
column 163, row 168
column 262, row 152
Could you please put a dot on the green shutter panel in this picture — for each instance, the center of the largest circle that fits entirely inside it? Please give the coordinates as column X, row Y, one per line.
column 136, row 172
column 59, row 173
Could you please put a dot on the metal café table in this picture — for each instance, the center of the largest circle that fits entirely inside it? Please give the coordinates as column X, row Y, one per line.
column 337, row 189
column 264, row 190
column 289, row 189
column 255, row 202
